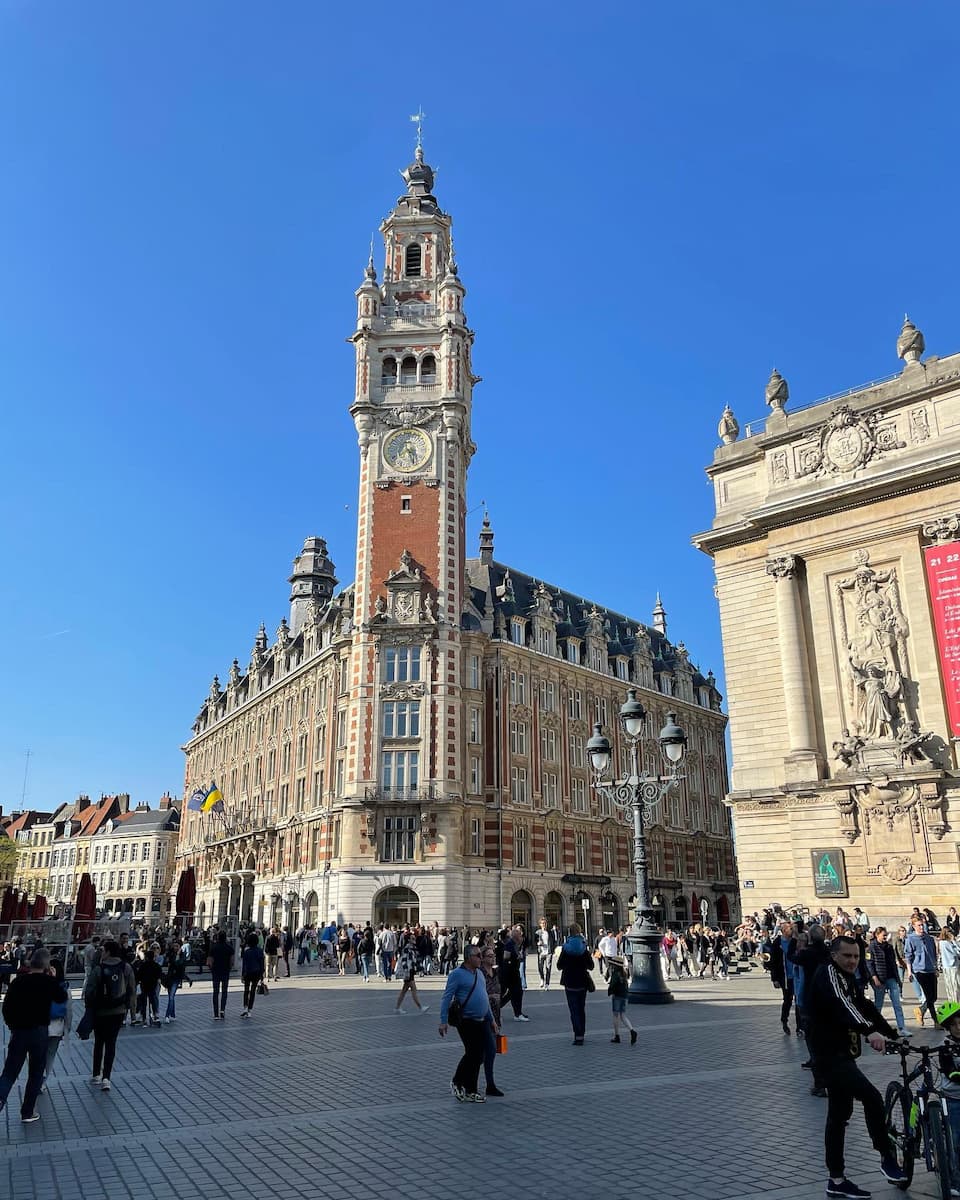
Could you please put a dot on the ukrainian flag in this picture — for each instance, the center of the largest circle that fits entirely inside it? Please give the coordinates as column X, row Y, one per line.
column 213, row 801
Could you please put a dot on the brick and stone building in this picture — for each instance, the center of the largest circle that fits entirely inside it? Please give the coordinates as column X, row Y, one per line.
column 837, row 551
column 413, row 746
column 74, row 828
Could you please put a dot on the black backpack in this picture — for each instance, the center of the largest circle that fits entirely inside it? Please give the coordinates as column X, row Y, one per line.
column 113, row 985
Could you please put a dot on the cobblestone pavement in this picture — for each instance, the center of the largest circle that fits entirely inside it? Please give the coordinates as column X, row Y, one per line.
column 276, row 1106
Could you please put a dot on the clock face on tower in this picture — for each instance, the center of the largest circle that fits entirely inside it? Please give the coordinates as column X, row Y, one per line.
column 407, row 449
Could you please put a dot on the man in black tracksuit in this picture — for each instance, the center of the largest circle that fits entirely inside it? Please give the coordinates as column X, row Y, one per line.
column 839, row 1015
column 809, row 958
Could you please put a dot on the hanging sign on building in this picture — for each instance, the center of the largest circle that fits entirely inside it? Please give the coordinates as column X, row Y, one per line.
column 943, row 580
column 829, row 873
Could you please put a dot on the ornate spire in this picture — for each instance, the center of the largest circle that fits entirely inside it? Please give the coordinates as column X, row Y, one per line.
column 729, row 427
column 370, row 274
column 910, row 343
column 660, row 616
column 777, row 393
column 486, row 540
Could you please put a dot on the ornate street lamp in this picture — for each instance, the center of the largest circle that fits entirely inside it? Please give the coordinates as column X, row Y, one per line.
column 633, row 797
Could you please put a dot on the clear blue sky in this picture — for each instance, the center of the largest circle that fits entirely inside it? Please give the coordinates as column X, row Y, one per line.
column 653, row 205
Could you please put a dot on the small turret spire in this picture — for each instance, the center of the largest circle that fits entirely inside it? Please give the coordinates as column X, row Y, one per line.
column 486, row 540
column 418, row 118
column 660, row 616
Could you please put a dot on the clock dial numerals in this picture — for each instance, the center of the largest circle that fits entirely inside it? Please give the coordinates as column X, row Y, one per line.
column 407, row 450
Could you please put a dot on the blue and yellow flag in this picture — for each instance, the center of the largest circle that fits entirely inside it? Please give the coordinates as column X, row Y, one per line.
column 213, row 801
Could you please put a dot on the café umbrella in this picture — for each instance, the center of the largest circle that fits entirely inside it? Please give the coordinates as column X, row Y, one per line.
column 187, row 892
column 39, row 908
column 85, row 909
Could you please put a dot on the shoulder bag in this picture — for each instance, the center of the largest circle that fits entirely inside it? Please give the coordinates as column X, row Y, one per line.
column 455, row 1011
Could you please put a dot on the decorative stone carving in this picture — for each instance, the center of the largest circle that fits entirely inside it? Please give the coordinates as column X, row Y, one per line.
column 405, row 417
column 729, row 427
column 779, row 470
column 847, row 805
column 919, row 425
column 401, row 691
column 782, row 566
column 848, row 442
column 283, row 634
column 910, row 343
column 776, row 393
column 943, row 529
column 234, row 678
column 215, row 692
column 898, row 868
column 883, row 803
column 910, row 741
column 845, row 751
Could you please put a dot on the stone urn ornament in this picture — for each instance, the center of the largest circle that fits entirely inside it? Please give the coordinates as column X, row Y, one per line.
column 729, row 427
column 777, row 393
column 910, row 343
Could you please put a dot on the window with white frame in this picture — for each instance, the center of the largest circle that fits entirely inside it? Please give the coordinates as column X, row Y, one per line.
column 550, row 789
column 475, row 726
column 578, row 795
column 145, row 855
column 476, row 779
column 600, row 710
column 623, row 669
column 143, row 880
column 575, row 704
column 518, row 737
column 131, row 879
column 344, row 682
column 580, row 850
column 400, row 770
column 339, row 780
column 285, row 759
column 475, row 844
column 553, row 854
column 598, row 659
column 608, row 867
column 399, row 839
column 520, row 846
column 548, row 745
column 518, row 785
column 401, row 718
column 319, row 743
column 123, row 853
column 516, row 631
column 342, row 727
column 548, row 695
column 402, row 664
column 576, row 750
column 301, row 793
column 545, row 640
column 573, row 650
column 518, row 687
column 473, row 672
column 302, row 750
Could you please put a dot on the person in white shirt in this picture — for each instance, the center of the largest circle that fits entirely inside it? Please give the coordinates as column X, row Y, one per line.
column 608, row 949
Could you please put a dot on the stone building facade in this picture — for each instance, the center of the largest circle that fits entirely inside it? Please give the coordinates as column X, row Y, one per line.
column 74, row 829
column 413, row 746
column 836, row 533
column 132, row 861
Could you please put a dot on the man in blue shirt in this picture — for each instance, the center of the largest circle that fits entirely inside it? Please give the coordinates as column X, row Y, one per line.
column 466, row 985
column 920, row 951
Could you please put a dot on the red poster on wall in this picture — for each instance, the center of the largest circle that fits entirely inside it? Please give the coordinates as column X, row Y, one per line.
column 943, row 580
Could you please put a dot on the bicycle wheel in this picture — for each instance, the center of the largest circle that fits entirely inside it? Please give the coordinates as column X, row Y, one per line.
column 896, row 1110
column 940, row 1143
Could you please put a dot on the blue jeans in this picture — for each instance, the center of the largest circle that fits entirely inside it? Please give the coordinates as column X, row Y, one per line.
column 220, row 993
column 891, row 988
column 387, row 959
column 25, row 1044
column 172, row 999
column 577, row 1003
column 366, row 962
column 304, row 955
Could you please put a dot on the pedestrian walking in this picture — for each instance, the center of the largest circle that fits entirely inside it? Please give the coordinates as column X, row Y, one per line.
column 365, row 951
column 61, row 1022
column 148, row 973
column 839, row 1016
column 252, row 967
column 488, row 965
column 546, row 944
column 407, row 964
column 26, row 1012
column 575, row 964
column 466, row 994
column 948, row 952
column 511, row 981
column 286, row 947
column 271, row 950
column 220, row 964
column 387, row 948
column 920, row 951
column 881, row 961
column 110, row 994
column 174, row 974
column 618, row 990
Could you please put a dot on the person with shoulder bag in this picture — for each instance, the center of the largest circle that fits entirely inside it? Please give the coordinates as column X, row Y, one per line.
column 575, row 964
column 220, row 964
column 252, row 967
column 466, row 1007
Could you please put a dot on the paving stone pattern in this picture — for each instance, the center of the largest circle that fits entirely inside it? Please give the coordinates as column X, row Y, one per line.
column 262, row 1108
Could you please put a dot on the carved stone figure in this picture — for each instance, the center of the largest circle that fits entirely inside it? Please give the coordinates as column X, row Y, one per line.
column 845, row 751
column 777, row 393
column 729, row 427
column 910, row 343
column 910, row 741
column 380, row 606
column 875, row 649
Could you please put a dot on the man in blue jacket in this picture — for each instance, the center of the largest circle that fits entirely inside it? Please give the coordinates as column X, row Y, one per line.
column 466, row 985
column 920, row 951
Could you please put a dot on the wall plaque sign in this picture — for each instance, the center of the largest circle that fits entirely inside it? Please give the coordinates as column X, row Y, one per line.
column 829, row 873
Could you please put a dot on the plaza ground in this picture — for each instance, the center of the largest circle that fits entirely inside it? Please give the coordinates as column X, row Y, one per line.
column 327, row 1093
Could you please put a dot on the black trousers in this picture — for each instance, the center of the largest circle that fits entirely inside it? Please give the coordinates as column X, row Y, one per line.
column 845, row 1083
column 250, row 985
column 473, row 1034
column 928, row 985
column 787, row 1002
column 106, row 1030
column 26, row 1045
column 512, row 989
column 220, row 993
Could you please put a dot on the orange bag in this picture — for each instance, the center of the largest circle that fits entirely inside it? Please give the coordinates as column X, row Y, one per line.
column 501, row 1043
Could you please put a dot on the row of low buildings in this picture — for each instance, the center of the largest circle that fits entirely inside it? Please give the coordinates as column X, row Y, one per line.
column 130, row 853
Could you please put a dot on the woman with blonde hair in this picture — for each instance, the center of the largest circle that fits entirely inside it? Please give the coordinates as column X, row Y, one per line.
column 948, row 954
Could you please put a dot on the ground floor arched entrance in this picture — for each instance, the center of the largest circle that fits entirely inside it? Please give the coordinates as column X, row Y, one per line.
column 723, row 912
column 553, row 910
column 521, row 910
column 610, row 911
column 396, row 906
column 310, row 905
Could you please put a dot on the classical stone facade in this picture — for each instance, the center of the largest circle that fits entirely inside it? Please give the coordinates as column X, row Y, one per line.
column 414, row 744
column 828, row 520
column 132, row 861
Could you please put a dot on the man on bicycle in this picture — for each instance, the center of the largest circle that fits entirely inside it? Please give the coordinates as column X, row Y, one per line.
column 839, row 1015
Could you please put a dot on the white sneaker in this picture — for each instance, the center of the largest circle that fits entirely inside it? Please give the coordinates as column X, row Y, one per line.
column 94, row 1078
column 166, row 1020
column 105, row 1086
column 424, row 1007
column 245, row 1013
column 522, row 1017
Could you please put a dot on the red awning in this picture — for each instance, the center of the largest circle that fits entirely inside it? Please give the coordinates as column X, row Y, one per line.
column 187, row 892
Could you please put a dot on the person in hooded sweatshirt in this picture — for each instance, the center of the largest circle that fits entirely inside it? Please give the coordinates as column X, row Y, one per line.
column 575, row 964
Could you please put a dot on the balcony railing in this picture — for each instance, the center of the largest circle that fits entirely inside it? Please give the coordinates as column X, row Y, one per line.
column 408, row 314
column 386, row 795
column 417, row 385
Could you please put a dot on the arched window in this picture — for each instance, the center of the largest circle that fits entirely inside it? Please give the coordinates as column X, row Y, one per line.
column 388, row 372
column 411, row 261
column 428, row 369
column 408, row 371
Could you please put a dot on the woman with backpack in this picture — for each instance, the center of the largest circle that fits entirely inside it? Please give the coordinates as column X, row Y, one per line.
column 175, row 972
column 252, row 967
column 110, row 993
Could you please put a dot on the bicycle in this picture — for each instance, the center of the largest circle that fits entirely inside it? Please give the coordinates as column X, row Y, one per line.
column 917, row 1120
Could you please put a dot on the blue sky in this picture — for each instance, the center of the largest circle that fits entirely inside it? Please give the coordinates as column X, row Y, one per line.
column 653, row 206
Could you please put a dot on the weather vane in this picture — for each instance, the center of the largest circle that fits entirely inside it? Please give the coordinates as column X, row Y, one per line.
column 418, row 117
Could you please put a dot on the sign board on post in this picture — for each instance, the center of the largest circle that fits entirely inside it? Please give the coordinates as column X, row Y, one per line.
column 829, row 873
column 943, row 580
column 584, row 903
column 704, row 909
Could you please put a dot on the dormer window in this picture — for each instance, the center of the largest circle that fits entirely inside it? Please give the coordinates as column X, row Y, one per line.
column 412, row 261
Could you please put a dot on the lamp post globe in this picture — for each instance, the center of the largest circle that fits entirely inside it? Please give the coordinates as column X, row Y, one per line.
column 633, row 716
column 598, row 748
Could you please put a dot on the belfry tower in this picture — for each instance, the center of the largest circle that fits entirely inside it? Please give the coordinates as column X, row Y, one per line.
column 411, row 408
